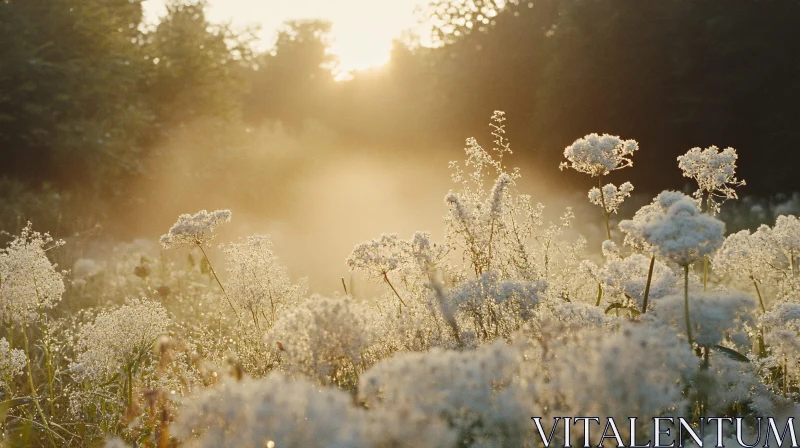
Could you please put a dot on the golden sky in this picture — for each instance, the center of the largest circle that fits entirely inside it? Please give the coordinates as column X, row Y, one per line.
column 363, row 30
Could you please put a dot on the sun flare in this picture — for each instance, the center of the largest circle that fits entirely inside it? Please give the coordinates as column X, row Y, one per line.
column 362, row 30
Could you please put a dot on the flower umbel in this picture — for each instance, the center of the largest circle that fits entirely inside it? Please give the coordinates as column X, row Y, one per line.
column 194, row 229
column 598, row 155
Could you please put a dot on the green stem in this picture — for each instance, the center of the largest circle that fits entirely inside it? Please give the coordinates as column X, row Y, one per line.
column 647, row 286
column 705, row 272
column 129, row 389
column 39, row 410
column 686, row 304
column 48, row 360
column 605, row 209
column 599, row 294
column 214, row 273
column 402, row 303
column 760, row 299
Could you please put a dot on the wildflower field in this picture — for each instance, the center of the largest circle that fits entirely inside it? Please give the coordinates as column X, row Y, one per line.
column 200, row 342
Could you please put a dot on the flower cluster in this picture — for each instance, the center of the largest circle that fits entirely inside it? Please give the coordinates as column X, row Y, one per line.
column 637, row 370
column 29, row 282
column 194, row 230
column 389, row 253
column 634, row 228
column 323, row 339
column 258, row 282
column 715, row 173
column 277, row 412
column 598, row 155
column 714, row 314
column 494, row 307
column 611, row 197
column 12, row 361
column 626, row 278
column 119, row 339
column 682, row 234
column 745, row 253
column 470, row 390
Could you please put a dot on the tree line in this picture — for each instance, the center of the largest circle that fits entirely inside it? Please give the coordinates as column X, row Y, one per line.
column 87, row 90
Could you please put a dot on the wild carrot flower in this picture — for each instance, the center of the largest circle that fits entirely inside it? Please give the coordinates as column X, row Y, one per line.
column 684, row 235
column 118, row 339
column 275, row 412
column 470, row 390
column 270, row 412
column 323, row 339
column 379, row 256
column 197, row 229
column 714, row 314
column 611, row 197
column 29, row 282
column 627, row 278
column 12, row 362
column 634, row 228
column 258, row 282
column 786, row 233
column 747, row 255
column 598, row 155
column 715, row 173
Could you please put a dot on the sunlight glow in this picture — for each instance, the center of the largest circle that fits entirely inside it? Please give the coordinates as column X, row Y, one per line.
column 363, row 30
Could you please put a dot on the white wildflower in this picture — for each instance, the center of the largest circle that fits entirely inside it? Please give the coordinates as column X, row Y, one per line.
column 119, row 338
column 611, row 197
column 253, row 413
column 380, row 256
column 714, row 314
column 785, row 315
column 29, row 283
column 497, row 307
column 470, row 390
column 497, row 195
column 323, row 339
column 610, row 250
column 639, row 370
column 258, row 282
column 682, row 234
column 745, row 254
column 715, row 173
column 12, row 361
column 627, row 277
column 634, row 228
column 786, row 233
column 277, row 412
column 598, row 155
column 197, row 229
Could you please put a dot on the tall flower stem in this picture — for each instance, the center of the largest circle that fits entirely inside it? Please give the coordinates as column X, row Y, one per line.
column 32, row 385
column 402, row 303
column 605, row 209
column 647, row 286
column 599, row 294
column 760, row 299
column 214, row 273
column 686, row 303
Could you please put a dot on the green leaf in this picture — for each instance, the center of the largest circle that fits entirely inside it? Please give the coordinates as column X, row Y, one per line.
column 733, row 354
column 620, row 306
column 12, row 403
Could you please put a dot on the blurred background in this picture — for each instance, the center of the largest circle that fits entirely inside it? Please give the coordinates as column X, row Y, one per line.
column 325, row 123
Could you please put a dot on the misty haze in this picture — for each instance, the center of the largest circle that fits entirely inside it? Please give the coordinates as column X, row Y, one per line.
column 407, row 223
